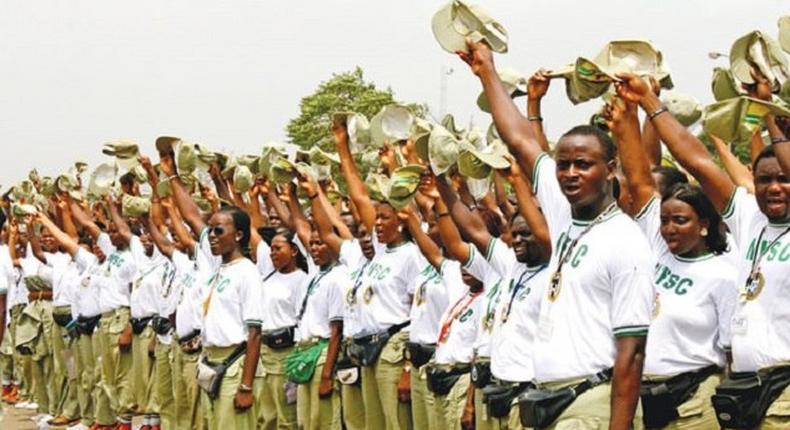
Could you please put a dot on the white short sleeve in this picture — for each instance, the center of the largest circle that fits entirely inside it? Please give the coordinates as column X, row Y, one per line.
column 452, row 279
column 649, row 221
column 105, row 244
column 738, row 215
column 553, row 203
column 501, row 257
column 84, row 259
column 335, row 306
column 251, row 299
column 725, row 297
column 633, row 294
column 263, row 259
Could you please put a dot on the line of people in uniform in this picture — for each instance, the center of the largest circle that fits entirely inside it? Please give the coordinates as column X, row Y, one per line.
column 601, row 291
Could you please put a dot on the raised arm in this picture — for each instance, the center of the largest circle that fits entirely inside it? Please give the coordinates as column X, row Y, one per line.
column 501, row 198
column 623, row 121
column 537, row 87
column 651, row 143
column 67, row 242
column 83, row 220
column 164, row 245
column 120, row 223
column 448, row 230
column 739, row 173
column 356, row 187
column 515, row 130
column 300, row 224
column 320, row 207
column 471, row 225
column 177, row 225
column 66, row 221
column 683, row 145
column 527, row 205
column 186, row 206
column 275, row 202
column 427, row 246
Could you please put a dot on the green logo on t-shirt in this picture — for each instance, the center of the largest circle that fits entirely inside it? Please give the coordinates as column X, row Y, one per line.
column 670, row 281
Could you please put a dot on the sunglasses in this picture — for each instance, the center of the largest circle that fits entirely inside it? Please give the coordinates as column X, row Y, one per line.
column 216, row 230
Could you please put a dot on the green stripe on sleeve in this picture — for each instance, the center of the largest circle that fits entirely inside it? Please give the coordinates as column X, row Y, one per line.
column 535, row 170
column 626, row 331
column 646, row 208
column 730, row 207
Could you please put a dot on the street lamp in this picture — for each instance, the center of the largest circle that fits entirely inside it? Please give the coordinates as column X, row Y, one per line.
column 445, row 72
column 717, row 55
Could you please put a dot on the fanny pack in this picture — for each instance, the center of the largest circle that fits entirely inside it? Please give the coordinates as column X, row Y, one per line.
column 540, row 408
column 161, row 325
column 440, row 382
column 743, row 398
column 347, row 372
column 419, row 353
column 87, row 325
column 481, row 373
column 365, row 350
column 660, row 400
column 138, row 324
column 499, row 398
column 62, row 319
column 301, row 363
column 209, row 375
column 191, row 343
column 279, row 339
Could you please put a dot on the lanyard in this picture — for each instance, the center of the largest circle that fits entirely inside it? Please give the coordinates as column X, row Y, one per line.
column 312, row 286
column 554, row 285
column 214, row 280
column 266, row 278
column 519, row 285
column 455, row 312
column 352, row 294
column 755, row 281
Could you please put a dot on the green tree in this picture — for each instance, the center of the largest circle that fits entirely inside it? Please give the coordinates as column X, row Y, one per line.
column 347, row 91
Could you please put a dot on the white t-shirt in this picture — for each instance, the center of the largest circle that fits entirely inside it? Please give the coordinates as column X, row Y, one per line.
column 7, row 277
column 263, row 258
column 493, row 285
column 516, row 319
column 282, row 295
column 761, row 326
column 206, row 260
column 92, row 282
column 233, row 301
column 383, row 297
column 430, row 301
column 458, row 329
column 60, row 263
column 121, row 269
column 149, row 281
column 606, row 290
column 354, row 260
column 322, row 300
column 189, row 284
column 695, row 299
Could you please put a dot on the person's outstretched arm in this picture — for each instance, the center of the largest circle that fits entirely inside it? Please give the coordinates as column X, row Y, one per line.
column 120, row 223
column 186, row 206
column 82, row 219
column 515, row 130
column 739, row 173
column 427, row 246
column 300, row 224
column 67, row 242
column 356, row 187
column 683, row 145
column 537, row 87
column 320, row 208
column 527, row 205
column 471, row 225
column 177, row 225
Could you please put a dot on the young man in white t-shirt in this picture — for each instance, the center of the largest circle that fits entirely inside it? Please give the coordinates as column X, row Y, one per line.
column 597, row 306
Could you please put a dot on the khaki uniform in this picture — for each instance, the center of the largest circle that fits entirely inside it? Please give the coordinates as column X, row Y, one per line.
column 115, row 394
column 162, row 384
column 449, row 409
column 591, row 410
column 142, row 369
column 380, row 388
column 89, row 374
column 314, row 413
column 276, row 411
column 35, row 332
column 778, row 414
column 220, row 413
column 188, row 413
column 697, row 413
column 423, row 404
column 64, row 373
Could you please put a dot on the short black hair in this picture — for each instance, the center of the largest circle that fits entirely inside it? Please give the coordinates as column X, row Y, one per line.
column 241, row 222
column 767, row 152
column 606, row 142
column 672, row 176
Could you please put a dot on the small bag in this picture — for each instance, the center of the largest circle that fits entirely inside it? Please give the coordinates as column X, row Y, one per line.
column 209, row 375
column 191, row 343
column 743, row 398
column 440, row 382
column 62, row 319
column 346, row 371
column 86, row 326
column 365, row 350
column 139, row 324
column 540, row 408
column 301, row 363
column 161, row 325
column 279, row 339
column 660, row 400
column 499, row 398
column 419, row 353
column 481, row 374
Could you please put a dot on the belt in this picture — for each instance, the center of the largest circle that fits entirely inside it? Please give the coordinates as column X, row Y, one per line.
column 112, row 313
column 190, row 336
column 45, row 295
column 311, row 341
column 217, row 354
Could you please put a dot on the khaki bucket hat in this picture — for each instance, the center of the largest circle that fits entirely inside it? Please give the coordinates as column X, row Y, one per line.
column 762, row 52
column 737, row 119
column 125, row 153
column 186, row 158
column 134, row 206
column 685, row 108
column 421, row 133
column 478, row 163
column 585, row 80
column 47, row 186
column 392, row 124
column 165, row 144
column 242, row 179
column 281, row 171
column 442, row 150
column 357, row 127
column 102, row 180
column 403, row 184
column 514, row 82
column 784, row 33
column 724, row 85
column 640, row 57
column 458, row 19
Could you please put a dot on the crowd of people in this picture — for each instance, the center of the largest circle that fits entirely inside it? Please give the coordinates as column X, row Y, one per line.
column 417, row 275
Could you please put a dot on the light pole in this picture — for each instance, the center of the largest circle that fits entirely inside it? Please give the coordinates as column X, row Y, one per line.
column 443, row 74
column 716, row 55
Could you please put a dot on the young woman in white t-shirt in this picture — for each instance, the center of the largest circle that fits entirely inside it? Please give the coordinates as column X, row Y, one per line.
column 696, row 284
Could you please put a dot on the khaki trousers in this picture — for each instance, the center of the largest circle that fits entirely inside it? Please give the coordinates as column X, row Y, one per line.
column 276, row 413
column 697, row 413
column 380, row 388
column 65, row 373
column 591, row 410
column 142, row 371
column 21, row 366
column 42, row 363
column 115, row 397
column 423, row 403
column 449, row 408
column 352, row 406
column 314, row 413
column 89, row 375
column 778, row 414
column 162, row 385
column 221, row 414
column 186, row 393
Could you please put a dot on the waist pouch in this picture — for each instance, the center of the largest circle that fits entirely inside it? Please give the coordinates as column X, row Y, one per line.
column 347, row 372
column 138, row 324
column 418, row 353
column 365, row 350
column 481, row 374
column 499, row 398
column 540, row 408
column 191, row 343
column 660, row 400
column 279, row 339
column 87, row 325
column 301, row 363
column 161, row 325
column 440, row 382
column 62, row 319
column 743, row 398
column 209, row 375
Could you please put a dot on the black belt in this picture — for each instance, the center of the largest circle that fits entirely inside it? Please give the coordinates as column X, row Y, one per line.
column 139, row 324
column 189, row 337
